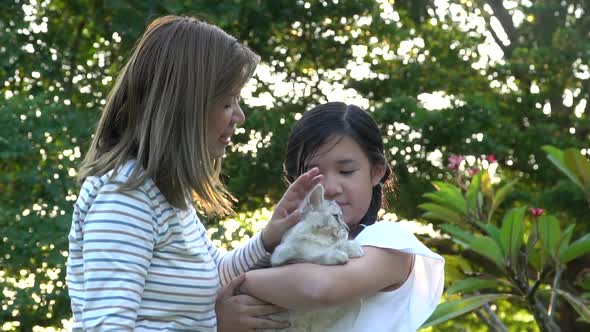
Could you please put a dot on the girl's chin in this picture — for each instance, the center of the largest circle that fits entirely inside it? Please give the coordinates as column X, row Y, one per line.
column 351, row 225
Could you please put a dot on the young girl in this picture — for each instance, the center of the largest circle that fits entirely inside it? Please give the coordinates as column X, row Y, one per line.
column 139, row 257
column 398, row 282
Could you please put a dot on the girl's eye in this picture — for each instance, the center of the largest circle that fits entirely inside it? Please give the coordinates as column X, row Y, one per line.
column 350, row 172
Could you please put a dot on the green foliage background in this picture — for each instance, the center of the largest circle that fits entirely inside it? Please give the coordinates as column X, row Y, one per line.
column 58, row 60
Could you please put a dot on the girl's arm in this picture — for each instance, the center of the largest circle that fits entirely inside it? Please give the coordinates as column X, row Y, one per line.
column 299, row 286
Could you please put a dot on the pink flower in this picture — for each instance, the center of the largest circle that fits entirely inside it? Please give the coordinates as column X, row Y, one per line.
column 537, row 212
column 472, row 171
column 491, row 159
column 454, row 162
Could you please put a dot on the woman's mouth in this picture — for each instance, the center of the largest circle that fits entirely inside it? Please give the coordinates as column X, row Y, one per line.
column 225, row 139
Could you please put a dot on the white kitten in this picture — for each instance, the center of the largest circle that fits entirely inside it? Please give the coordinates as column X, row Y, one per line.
column 321, row 237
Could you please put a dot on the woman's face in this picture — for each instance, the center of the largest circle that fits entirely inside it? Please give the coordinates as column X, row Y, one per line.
column 221, row 124
column 349, row 177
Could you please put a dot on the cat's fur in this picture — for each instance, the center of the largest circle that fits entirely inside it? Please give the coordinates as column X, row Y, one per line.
column 321, row 237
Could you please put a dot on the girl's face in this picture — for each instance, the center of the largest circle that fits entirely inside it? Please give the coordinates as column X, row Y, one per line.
column 349, row 177
column 221, row 124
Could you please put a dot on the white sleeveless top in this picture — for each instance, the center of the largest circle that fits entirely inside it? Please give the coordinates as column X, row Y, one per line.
column 403, row 309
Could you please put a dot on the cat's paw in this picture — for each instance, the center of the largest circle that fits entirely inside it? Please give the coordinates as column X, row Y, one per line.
column 354, row 249
column 282, row 255
column 335, row 257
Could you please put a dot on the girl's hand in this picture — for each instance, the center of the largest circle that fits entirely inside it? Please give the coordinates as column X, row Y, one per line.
column 243, row 312
column 286, row 214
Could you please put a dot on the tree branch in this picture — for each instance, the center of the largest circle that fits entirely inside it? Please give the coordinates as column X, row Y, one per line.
column 546, row 323
column 552, row 303
column 494, row 322
column 531, row 292
column 505, row 19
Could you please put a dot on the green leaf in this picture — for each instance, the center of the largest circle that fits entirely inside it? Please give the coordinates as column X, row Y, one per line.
column 448, row 198
column 492, row 230
column 556, row 156
column 472, row 192
column 500, row 196
column 458, row 235
column 584, row 281
column 535, row 260
column 582, row 309
column 439, row 185
column 440, row 213
column 566, row 239
column 473, row 284
column 549, row 235
column 511, row 234
column 456, row 267
column 578, row 165
column 489, row 248
column 452, row 309
column 578, row 248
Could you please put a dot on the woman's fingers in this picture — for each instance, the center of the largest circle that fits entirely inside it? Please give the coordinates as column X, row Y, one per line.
column 248, row 300
column 256, row 307
column 263, row 310
column 304, row 183
column 230, row 289
column 299, row 189
column 292, row 219
column 264, row 323
column 286, row 214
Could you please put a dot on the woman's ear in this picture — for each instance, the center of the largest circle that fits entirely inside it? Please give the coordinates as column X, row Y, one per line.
column 377, row 173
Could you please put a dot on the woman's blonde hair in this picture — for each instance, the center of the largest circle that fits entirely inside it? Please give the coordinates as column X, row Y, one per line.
column 157, row 111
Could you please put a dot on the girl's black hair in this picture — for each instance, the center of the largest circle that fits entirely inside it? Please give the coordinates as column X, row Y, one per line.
column 335, row 119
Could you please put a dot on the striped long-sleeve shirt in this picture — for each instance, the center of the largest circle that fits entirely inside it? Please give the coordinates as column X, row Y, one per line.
column 138, row 263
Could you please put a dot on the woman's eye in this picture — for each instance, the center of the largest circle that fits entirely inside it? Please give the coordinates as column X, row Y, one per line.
column 347, row 172
column 232, row 101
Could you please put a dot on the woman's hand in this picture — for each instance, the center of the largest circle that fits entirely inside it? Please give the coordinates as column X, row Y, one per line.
column 243, row 312
column 286, row 214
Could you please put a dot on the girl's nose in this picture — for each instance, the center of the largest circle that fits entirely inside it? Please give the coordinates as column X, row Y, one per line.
column 331, row 188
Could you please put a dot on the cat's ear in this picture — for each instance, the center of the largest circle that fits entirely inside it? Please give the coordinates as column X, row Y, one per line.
column 316, row 196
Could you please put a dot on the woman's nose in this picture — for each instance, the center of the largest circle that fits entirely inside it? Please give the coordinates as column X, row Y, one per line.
column 239, row 116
